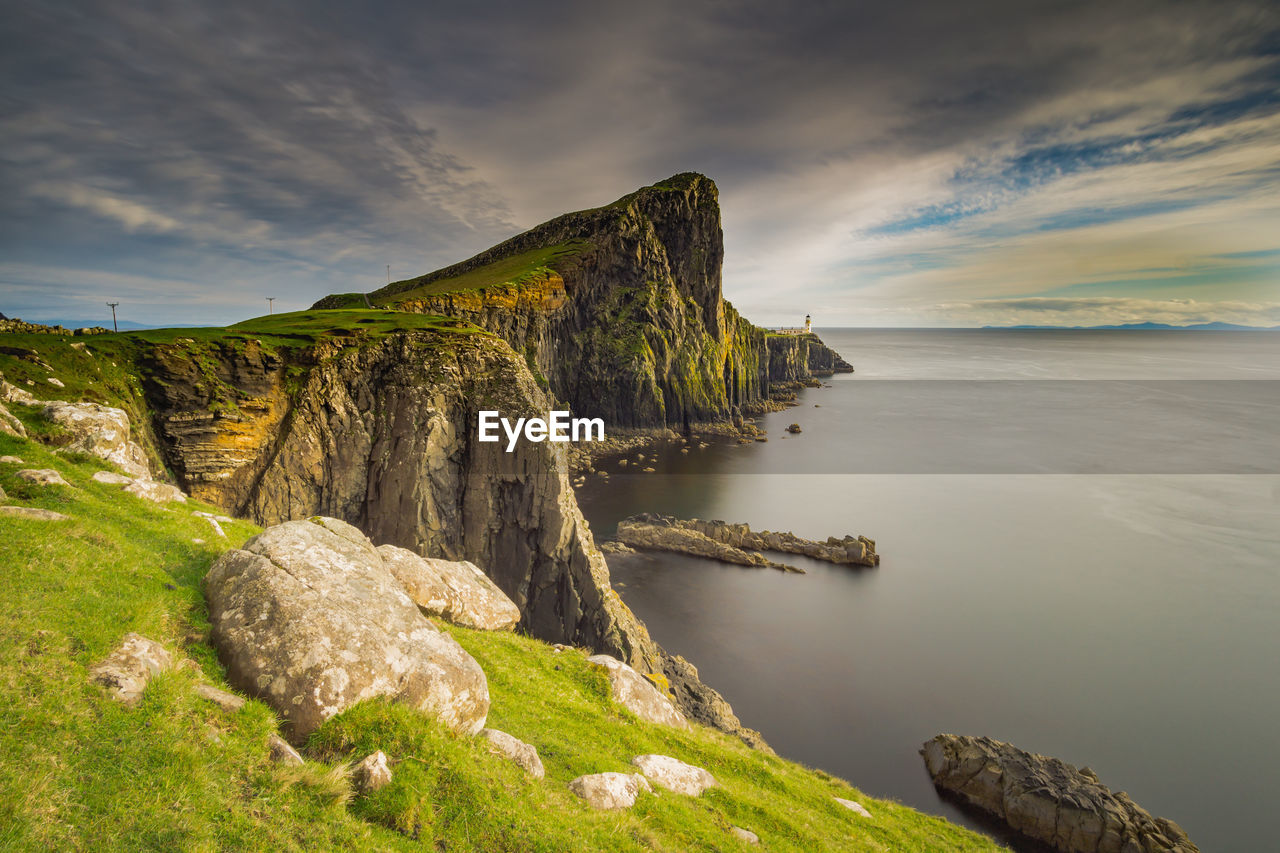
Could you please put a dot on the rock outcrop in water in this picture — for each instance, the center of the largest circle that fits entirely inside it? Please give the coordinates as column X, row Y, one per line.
column 701, row 538
column 1048, row 800
column 620, row 309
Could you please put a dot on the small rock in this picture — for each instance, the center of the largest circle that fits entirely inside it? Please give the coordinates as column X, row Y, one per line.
column 111, row 478
column 610, row 790
column 637, row 694
column 649, row 470
column 12, row 460
column 127, row 670
column 853, row 807
column 745, row 835
column 55, row 382
column 372, row 773
column 42, row 476
column 32, row 514
column 515, row 749
column 794, row 428
column 3, row 495
column 674, row 775
column 197, row 541
column 155, row 492
column 281, row 751
column 229, row 702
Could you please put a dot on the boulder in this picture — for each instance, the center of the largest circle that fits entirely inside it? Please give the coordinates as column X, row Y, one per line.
column 42, row 477
column 12, row 460
column 610, row 790
column 1047, row 799
column 111, row 478
column 101, row 431
column 674, row 775
column 127, row 670
column 637, row 694
column 32, row 513
column 282, row 752
column 855, row 807
column 160, row 493
column 372, row 773
column 456, row 591
column 516, row 750
column 4, row 496
column 745, row 835
column 307, row 618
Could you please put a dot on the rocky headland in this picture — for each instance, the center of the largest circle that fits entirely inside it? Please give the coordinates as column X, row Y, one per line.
column 1048, row 800
column 619, row 311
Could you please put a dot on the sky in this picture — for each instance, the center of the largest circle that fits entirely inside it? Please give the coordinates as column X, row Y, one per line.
column 879, row 164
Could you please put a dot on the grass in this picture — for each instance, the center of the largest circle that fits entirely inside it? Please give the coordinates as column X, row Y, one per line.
column 525, row 268
column 80, row 772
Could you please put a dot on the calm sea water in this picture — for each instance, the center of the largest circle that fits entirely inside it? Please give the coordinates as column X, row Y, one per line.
column 1080, row 534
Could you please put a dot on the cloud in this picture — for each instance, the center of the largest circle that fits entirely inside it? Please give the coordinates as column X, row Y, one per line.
column 873, row 160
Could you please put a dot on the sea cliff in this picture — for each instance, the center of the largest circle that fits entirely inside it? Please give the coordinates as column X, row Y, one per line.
column 619, row 310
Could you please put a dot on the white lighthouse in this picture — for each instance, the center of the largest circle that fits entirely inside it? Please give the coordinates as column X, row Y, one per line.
column 808, row 324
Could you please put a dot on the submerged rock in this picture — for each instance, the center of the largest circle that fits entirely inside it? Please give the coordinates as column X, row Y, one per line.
column 1047, row 799
column 309, row 619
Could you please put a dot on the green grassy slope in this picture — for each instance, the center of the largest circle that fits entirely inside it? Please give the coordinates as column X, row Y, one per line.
column 526, row 267
column 80, row 772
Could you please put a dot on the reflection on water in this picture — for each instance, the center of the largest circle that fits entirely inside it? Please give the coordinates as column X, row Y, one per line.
column 1117, row 620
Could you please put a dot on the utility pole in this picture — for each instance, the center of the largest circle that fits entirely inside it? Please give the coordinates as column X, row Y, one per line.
column 270, row 308
column 113, row 315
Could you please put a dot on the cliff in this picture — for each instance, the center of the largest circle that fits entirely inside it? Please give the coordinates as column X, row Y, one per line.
column 377, row 426
column 619, row 310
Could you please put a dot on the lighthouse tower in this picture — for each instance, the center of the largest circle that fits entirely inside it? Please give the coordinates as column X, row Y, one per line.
column 808, row 324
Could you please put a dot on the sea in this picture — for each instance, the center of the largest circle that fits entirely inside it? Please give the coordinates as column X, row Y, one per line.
column 1080, row 543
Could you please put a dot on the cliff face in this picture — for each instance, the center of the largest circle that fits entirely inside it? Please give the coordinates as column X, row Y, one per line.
column 382, row 434
column 625, row 320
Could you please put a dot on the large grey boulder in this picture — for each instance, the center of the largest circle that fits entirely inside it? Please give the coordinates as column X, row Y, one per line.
column 610, row 790
column 307, row 618
column 637, row 694
column 100, row 431
column 456, row 591
column 516, row 750
column 130, row 667
column 674, row 775
column 1049, row 800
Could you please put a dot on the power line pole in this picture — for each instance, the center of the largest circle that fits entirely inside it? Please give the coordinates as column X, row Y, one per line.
column 113, row 315
column 270, row 306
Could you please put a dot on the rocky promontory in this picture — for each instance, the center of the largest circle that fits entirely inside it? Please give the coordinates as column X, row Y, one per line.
column 619, row 310
column 1048, row 800
column 738, row 543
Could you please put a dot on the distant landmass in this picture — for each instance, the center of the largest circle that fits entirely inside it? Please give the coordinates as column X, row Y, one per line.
column 1194, row 327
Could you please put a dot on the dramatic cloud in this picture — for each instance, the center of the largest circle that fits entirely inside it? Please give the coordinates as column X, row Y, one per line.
column 878, row 163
